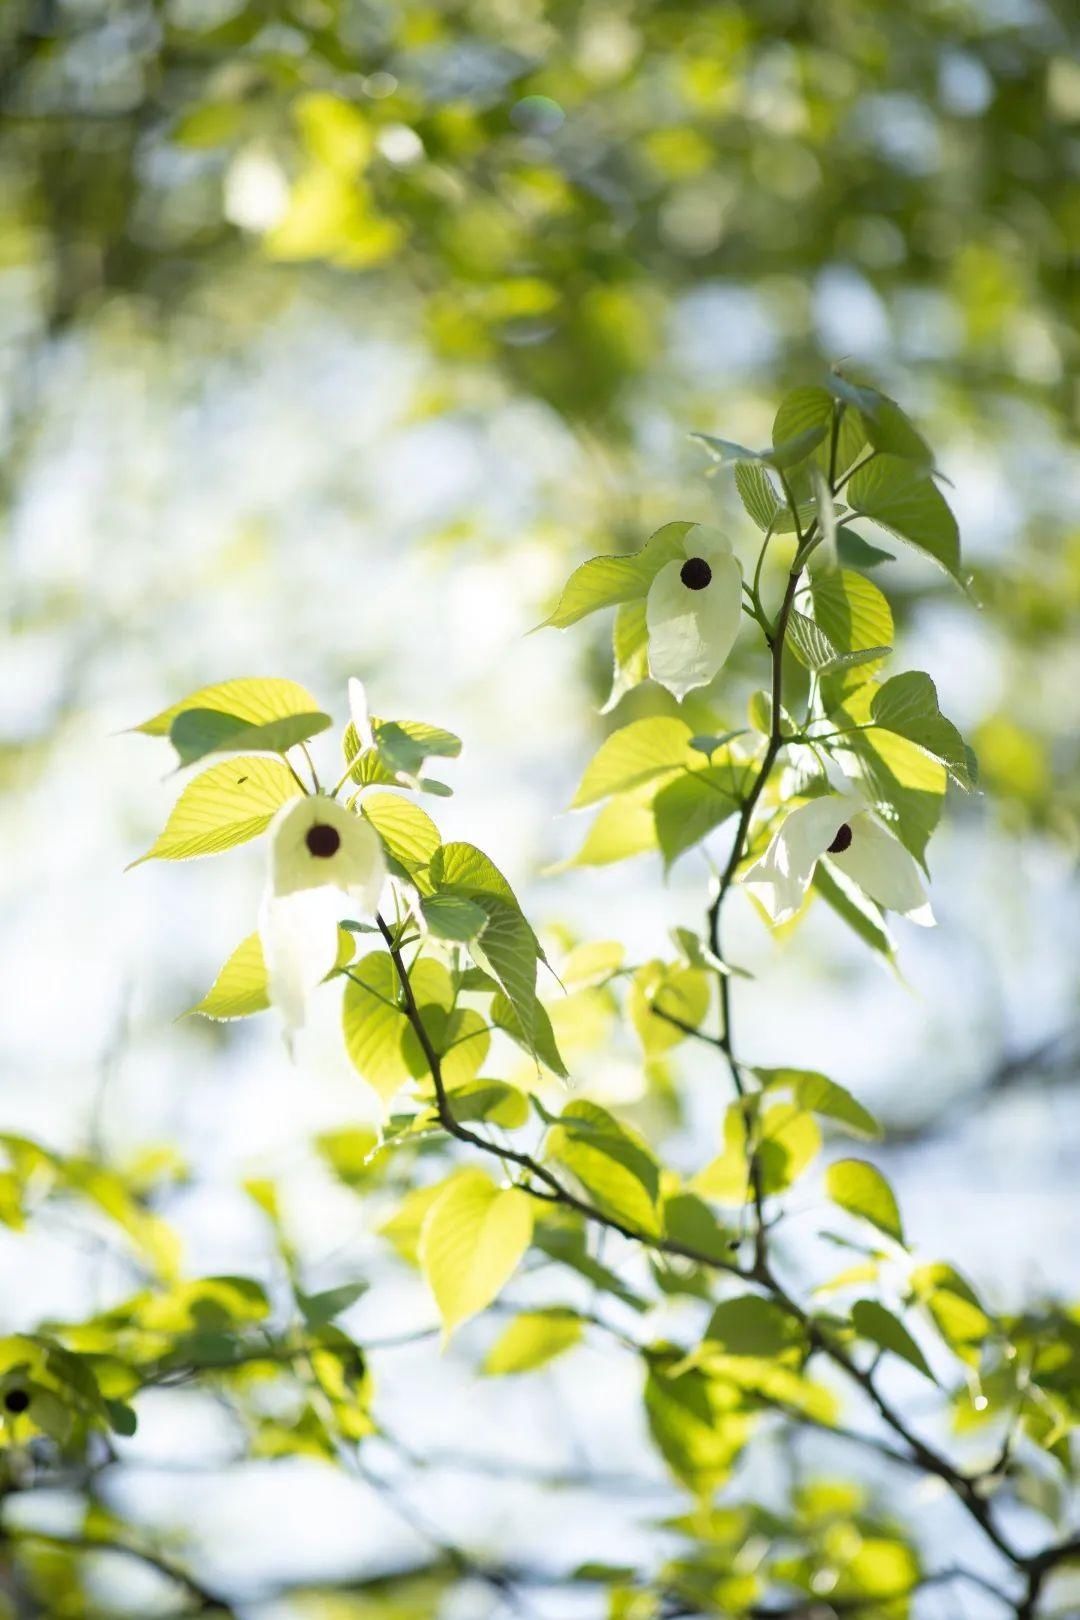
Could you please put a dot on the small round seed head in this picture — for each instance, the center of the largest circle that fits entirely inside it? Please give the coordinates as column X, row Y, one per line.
column 695, row 573
column 323, row 841
column 842, row 840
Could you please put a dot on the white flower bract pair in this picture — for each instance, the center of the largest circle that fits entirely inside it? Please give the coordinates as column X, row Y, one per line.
column 692, row 612
column 841, row 827
column 319, row 851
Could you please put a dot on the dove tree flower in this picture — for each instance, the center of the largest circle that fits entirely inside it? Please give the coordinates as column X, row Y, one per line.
column 679, row 601
column 319, row 852
column 692, row 612
column 840, row 827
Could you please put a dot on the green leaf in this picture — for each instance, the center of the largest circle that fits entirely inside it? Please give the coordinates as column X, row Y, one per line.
column 689, row 1220
column 198, row 732
column 855, row 552
column 122, row 1419
column 851, row 611
column 955, row 1307
column 905, row 784
column 694, row 803
column 253, row 701
column 750, row 1325
column 819, row 1095
column 319, row 1309
column 787, row 453
column 451, row 916
column 633, row 755
column 887, row 427
column 605, row 581
column 408, row 834
column 507, row 948
column 872, row 1321
column 566, row 1245
column 540, row 1044
column 630, row 649
column 401, row 746
column 861, row 1189
column 804, row 415
column 405, row 744
column 227, row 805
column 909, row 504
column 472, row 1240
column 908, row 705
column 374, row 1025
column 240, row 988
column 611, row 1162
column 461, row 1041
column 532, row 1340
column 692, row 1419
column 815, row 651
column 757, row 493
column 673, row 988
column 492, row 1101
column 861, row 914
column 625, row 827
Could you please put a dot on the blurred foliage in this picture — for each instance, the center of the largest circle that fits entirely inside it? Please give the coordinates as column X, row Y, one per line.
column 537, row 195
column 537, row 189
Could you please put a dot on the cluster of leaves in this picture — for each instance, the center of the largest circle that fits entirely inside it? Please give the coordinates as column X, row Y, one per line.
column 481, row 1167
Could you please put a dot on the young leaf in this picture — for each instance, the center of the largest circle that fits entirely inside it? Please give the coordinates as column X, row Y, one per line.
column 374, row 1025
column 657, row 746
column 253, row 701
column 240, row 988
column 408, row 834
column 815, row 651
column 751, row 1325
column 624, row 827
column 532, row 1340
column 820, row 1095
column 473, row 1237
column 605, row 581
column 855, row 552
column 451, row 916
column 610, row 1161
column 757, row 493
column 887, row 427
column 872, row 1321
column 225, row 806
column 908, row 705
column 195, row 733
column 851, row 611
column 693, row 804
column 861, row 1189
column 630, row 649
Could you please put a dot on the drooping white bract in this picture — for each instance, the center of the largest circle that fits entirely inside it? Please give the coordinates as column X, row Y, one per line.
column 319, row 851
column 692, row 612
column 359, row 714
column 840, row 826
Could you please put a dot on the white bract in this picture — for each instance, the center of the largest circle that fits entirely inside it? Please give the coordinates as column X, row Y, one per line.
column 841, row 827
column 319, row 851
column 359, row 713
column 692, row 612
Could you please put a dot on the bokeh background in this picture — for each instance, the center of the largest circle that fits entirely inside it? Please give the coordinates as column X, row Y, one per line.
column 332, row 335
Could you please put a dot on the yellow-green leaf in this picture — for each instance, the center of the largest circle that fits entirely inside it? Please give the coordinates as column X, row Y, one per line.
column 409, row 836
column 473, row 1237
column 240, row 988
column 861, row 1189
column 226, row 805
column 532, row 1340
column 255, row 700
